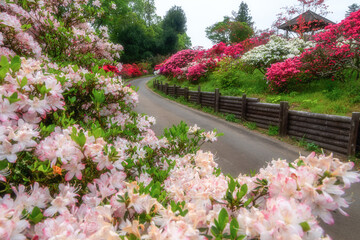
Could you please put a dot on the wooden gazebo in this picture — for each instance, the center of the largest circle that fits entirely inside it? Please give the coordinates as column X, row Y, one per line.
column 312, row 20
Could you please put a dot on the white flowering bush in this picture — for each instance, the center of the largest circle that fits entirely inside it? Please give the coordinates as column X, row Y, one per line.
column 276, row 50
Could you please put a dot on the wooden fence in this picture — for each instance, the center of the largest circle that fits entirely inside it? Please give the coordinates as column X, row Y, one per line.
column 335, row 133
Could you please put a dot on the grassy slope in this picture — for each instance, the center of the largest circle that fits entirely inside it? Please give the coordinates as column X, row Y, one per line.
column 322, row 96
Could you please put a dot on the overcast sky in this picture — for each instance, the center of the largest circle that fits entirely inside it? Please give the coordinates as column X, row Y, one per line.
column 203, row 13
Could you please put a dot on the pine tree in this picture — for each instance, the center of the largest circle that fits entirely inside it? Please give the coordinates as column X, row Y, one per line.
column 352, row 8
column 243, row 15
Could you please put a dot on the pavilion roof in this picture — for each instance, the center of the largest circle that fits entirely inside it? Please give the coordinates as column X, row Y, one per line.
column 315, row 20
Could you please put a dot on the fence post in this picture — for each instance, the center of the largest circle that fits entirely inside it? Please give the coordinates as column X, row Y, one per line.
column 186, row 94
column 354, row 131
column 154, row 83
column 217, row 100
column 199, row 95
column 175, row 94
column 166, row 88
column 243, row 107
column 162, row 87
column 283, row 118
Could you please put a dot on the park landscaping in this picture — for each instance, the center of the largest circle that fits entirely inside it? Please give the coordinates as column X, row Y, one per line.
column 319, row 75
column 76, row 162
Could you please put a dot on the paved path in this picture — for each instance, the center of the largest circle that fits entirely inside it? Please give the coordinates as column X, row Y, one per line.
column 239, row 150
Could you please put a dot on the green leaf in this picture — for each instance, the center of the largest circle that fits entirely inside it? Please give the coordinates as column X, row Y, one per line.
column 300, row 163
column 75, row 68
column 3, row 72
column 3, row 164
column 234, row 226
column 243, row 191
column 4, row 61
column 215, row 231
column 305, row 226
column 36, row 215
column 15, row 63
column 291, row 166
column 247, row 202
column 232, row 185
column 223, row 219
column 81, row 139
column 23, row 82
column 14, row 98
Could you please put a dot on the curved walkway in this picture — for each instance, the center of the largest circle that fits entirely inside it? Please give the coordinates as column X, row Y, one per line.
column 239, row 150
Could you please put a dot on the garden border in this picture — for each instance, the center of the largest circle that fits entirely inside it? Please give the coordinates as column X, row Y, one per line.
column 335, row 133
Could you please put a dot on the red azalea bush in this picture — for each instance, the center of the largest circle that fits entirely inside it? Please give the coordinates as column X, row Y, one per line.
column 132, row 70
column 111, row 68
column 337, row 49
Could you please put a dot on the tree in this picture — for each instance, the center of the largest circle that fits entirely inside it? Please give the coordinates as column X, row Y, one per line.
column 352, row 8
column 134, row 24
column 228, row 31
column 184, row 42
column 243, row 14
column 219, row 32
column 146, row 10
column 174, row 23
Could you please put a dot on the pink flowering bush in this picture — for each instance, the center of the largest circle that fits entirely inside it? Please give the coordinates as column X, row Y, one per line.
column 195, row 64
column 336, row 49
column 174, row 66
column 60, row 30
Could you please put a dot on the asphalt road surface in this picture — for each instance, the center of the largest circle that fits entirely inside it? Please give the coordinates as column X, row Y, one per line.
column 241, row 150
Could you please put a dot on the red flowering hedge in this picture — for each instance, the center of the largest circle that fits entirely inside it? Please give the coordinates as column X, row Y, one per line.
column 132, row 70
column 337, row 49
column 193, row 64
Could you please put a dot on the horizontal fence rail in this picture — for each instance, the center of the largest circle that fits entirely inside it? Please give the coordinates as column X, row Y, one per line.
column 335, row 133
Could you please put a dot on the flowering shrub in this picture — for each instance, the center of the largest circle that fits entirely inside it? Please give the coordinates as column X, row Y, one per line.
column 110, row 176
column 336, row 49
column 113, row 69
column 194, row 64
column 172, row 66
column 276, row 50
column 132, row 70
column 58, row 29
column 76, row 162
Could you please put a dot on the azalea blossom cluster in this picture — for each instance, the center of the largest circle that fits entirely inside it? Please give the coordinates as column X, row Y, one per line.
column 132, row 70
column 276, row 50
column 193, row 64
column 39, row 29
column 336, row 49
column 27, row 95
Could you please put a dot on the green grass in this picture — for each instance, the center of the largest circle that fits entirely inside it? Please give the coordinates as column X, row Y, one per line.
column 309, row 146
column 320, row 96
column 273, row 130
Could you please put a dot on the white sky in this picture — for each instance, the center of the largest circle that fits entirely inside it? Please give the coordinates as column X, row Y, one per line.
column 203, row 13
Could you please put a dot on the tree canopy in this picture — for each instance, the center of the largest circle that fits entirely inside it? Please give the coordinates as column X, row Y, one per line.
column 144, row 35
column 228, row 31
